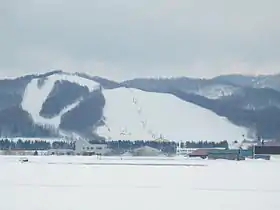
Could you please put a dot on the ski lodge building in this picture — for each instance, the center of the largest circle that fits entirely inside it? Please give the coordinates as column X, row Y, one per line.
column 83, row 147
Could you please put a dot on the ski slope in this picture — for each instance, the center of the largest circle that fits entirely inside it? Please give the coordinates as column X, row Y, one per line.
column 38, row 185
column 132, row 114
column 35, row 96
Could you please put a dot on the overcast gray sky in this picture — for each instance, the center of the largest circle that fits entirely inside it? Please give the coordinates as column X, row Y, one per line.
column 122, row 39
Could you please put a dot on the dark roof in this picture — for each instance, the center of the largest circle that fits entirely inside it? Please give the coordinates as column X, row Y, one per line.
column 200, row 152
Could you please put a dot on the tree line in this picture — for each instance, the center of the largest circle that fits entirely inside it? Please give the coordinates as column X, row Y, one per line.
column 6, row 144
column 125, row 145
column 164, row 146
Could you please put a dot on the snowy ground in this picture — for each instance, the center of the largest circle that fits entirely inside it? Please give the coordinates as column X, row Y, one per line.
column 220, row 185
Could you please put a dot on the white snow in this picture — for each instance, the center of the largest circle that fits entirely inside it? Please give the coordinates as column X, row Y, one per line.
column 90, row 84
column 34, row 97
column 230, row 185
column 216, row 91
column 137, row 115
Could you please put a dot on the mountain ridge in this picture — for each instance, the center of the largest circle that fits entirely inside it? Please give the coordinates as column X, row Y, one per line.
column 245, row 101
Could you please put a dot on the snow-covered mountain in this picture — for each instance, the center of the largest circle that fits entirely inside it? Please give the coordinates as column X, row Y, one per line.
column 135, row 114
column 63, row 104
column 39, row 90
column 260, row 81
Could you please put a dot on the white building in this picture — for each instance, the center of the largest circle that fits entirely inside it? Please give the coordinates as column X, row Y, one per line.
column 83, row 147
column 187, row 151
column 184, row 151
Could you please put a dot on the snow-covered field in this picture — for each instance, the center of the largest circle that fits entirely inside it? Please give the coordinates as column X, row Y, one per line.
column 219, row 185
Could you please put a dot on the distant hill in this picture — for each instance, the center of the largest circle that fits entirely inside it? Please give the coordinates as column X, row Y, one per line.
column 61, row 104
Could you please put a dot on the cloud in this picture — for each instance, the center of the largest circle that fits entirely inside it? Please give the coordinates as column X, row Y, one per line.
column 124, row 39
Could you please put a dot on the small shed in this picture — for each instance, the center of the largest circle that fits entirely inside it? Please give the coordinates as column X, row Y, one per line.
column 202, row 153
